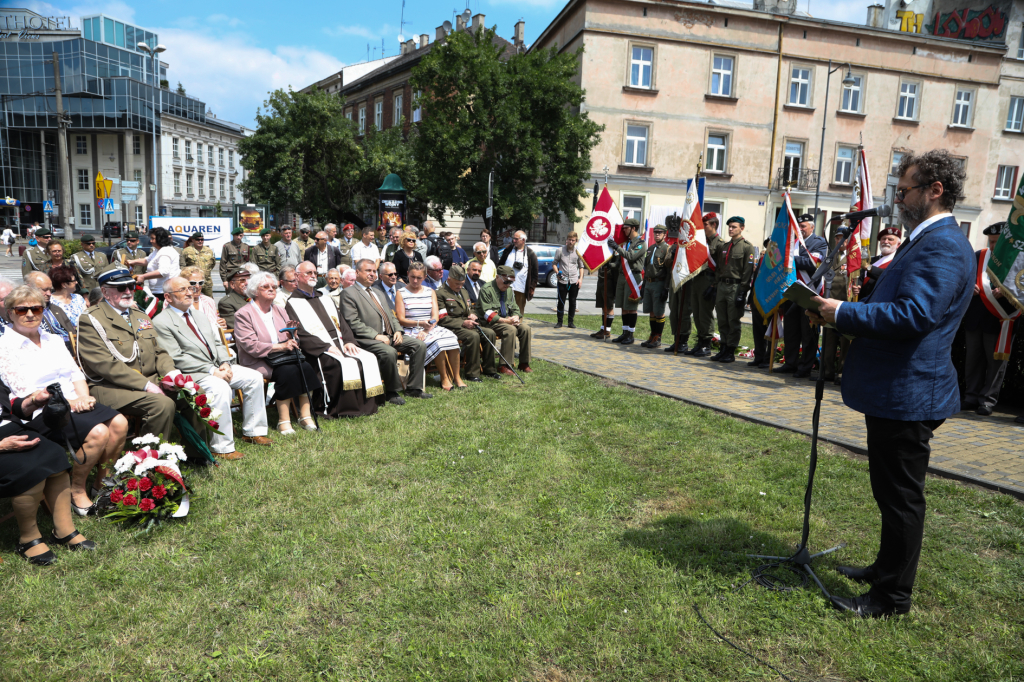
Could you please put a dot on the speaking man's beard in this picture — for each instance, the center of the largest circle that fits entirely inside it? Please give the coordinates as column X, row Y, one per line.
column 912, row 214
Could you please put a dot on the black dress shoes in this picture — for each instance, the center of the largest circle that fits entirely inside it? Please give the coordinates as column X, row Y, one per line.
column 857, row 574
column 394, row 399
column 801, row 374
column 983, row 410
column 866, row 606
column 474, row 379
column 417, row 393
column 786, row 369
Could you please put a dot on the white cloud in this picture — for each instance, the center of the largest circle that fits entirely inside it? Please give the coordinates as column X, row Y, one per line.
column 361, row 31
column 233, row 22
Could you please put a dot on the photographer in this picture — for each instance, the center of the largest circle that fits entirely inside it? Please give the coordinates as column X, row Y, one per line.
column 523, row 262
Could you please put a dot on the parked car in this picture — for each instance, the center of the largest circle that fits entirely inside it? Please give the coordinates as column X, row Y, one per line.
column 144, row 243
column 57, row 231
column 546, row 254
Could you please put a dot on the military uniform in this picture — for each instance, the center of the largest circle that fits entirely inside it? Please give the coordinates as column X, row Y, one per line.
column 35, row 259
column 607, row 278
column 679, row 308
column 702, row 303
column 229, row 305
column 344, row 247
column 735, row 265
column 232, row 257
column 454, row 309
column 489, row 307
column 124, row 254
column 203, row 259
column 632, row 254
column 657, row 285
column 88, row 266
column 834, row 341
column 266, row 258
column 304, row 242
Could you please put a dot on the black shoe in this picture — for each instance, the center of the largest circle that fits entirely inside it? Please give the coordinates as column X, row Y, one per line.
column 857, row 574
column 87, row 545
column 474, row 379
column 756, row 362
column 558, row 325
column 44, row 559
column 395, row 399
column 866, row 606
column 628, row 340
column 983, row 410
column 801, row 374
column 417, row 393
column 571, row 325
column 719, row 355
column 965, row 405
column 786, row 369
column 700, row 351
column 1019, row 420
column 619, row 338
column 763, row 365
column 493, row 375
column 728, row 357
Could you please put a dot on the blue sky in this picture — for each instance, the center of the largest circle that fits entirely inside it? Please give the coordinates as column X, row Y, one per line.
column 230, row 53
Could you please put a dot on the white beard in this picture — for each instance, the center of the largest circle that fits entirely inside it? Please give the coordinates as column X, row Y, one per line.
column 886, row 249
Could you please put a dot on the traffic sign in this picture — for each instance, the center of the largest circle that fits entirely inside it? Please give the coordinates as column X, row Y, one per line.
column 489, row 212
column 130, row 186
column 47, row 207
column 108, row 206
column 128, row 197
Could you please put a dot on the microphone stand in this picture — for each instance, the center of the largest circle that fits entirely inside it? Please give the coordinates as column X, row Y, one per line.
column 802, row 558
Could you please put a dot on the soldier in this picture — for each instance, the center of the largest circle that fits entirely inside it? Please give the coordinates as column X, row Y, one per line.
column 496, row 308
column 130, row 252
column 836, row 285
column 36, row 258
column 120, row 356
column 762, row 353
column 607, row 278
column 265, row 254
column 88, row 263
column 345, row 244
column 233, row 254
column 304, row 240
column 702, row 293
column 235, row 282
column 657, row 268
column 197, row 255
column 633, row 253
column 799, row 334
column 734, row 266
column 455, row 313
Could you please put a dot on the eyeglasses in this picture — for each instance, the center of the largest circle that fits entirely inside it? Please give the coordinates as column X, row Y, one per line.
column 178, row 291
column 389, row 274
column 121, row 288
column 901, row 194
column 436, row 269
column 288, row 281
column 196, row 285
column 26, row 309
column 199, row 239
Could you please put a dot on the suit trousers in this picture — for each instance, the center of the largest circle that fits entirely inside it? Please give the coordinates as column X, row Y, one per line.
column 156, row 410
column 387, row 360
column 680, row 309
column 983, row 374
column 898, row 454
column 833, row 341
column 703, row 308
column 470, row 343
column 509, row 334
column 761, row 350
column 567, row 291
column 254, row 406
column 801, row 338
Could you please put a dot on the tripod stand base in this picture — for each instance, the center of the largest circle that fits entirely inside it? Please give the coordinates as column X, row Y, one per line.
column 802, row 559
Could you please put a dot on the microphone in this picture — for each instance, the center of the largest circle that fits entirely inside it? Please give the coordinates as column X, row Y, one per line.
column 854, row 217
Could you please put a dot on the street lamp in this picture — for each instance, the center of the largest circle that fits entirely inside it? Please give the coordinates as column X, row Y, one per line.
column 848, row 81
column 153, row 52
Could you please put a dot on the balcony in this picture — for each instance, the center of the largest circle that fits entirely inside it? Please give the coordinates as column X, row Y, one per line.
column 189, row 159
column 795, row 179
column 233, row 171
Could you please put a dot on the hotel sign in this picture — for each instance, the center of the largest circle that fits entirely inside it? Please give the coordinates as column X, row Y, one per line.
column 25, row 25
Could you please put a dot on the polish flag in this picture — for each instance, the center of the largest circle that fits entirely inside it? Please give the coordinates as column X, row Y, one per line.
column 605, row 223
column 691, row 252
column 861, row 201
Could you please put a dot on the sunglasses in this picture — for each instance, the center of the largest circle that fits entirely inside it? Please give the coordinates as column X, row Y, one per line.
column 199, row 239
column 26, row 309
column 121, row 288
column 389, row 274
column 196, row 284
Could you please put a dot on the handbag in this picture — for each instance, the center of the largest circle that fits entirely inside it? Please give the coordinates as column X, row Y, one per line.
column 282, row 358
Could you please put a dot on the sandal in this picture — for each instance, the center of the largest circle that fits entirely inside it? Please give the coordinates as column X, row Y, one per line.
column 307, row 423
column 44, row 559
column 285, row 432
column 84, row 544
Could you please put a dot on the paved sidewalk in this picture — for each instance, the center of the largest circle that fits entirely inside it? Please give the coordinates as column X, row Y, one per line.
column 988, row 451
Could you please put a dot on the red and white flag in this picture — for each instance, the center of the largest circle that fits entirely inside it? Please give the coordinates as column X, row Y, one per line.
column 691, row 252
column 1000, row 308
column 861, row 201
column 605, row 223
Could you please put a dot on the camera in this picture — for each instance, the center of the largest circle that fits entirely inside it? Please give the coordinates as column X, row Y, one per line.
column 517, row 266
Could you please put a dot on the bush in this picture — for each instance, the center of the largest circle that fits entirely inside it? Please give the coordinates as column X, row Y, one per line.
column 71, row 246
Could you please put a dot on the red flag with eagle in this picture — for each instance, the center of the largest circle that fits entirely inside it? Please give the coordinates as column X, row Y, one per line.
column 692, row 252
column 862, row 201
column 605, row 223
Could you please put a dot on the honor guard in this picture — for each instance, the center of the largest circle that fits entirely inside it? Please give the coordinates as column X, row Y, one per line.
column 265, row 254
column 130, row 252
column 88, row 263
column 345, row 243
column 36, row 258
column 657, row 268
column 679, row 309
column 233, row 254
column 702, row 292
column 197, row 255
column 735, row 265
column 607, row 278
column 632, row 253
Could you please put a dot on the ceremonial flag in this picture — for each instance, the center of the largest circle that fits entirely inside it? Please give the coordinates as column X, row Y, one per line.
column 862, row 201
column 997, row 306
column 778, row 271
column 692, row 249
column 1006, row 261
column 605, row 223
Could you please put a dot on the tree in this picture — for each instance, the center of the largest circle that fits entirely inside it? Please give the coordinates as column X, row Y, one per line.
column 181, row 89
column 518, row 114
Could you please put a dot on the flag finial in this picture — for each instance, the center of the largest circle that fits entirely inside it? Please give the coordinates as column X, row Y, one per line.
column 605, row 169
column 700, row 163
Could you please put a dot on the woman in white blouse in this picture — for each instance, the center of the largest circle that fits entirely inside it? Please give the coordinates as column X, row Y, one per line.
column 30, row 361
column 162, row 264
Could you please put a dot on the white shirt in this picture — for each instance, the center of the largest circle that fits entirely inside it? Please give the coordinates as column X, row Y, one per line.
column 368, row 251
column 26, row 367
column 167, row 262
column 321, row 262
column 519, row 257
column 268, row 320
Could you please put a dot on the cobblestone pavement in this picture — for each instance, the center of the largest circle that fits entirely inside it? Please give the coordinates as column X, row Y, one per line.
column 988, row 451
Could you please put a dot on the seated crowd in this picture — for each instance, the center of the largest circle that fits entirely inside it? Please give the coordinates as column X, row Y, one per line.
column 322, row 342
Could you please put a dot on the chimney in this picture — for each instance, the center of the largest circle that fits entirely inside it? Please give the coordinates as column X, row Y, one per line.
column 460, row 23
column 410, row 45
column 776, row 6
column 519, row 34
column 478, row 22
column 424, row 40
column 439, row 34
column 875, row 14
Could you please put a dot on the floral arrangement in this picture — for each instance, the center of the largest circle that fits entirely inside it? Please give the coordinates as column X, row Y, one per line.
column 188, row 391
column 147, row 487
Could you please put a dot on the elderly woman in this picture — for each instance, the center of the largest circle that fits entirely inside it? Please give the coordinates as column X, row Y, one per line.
column 30, row 361
column 407, row 255
column 162, row 264
column 200, row 301
column 488, row 270
column 258, row 334
column 333, row 288
column 416, row 310
column 65, row 283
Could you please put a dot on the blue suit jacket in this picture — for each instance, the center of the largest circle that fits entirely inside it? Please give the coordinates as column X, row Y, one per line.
column 899, row 365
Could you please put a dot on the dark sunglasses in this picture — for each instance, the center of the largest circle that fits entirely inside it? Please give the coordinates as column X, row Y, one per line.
column 121, row 288
column 196, row 284
column 26, row 309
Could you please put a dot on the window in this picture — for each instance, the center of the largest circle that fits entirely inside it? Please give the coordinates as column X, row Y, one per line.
column 220, row 156
column 721, row 76
column 1015, row 116
column 641, row 66
column 222, row 188
column 85, row 215
column 81, row 147
column 138, row 216
column 718, row 208
column 417, row 113
column 396, row 114
column 908, row 101
column 378, row 114
column 177, row 183
column 348, row 114
column 231, row 190
column 1006, row 176
column 966, row 229
column 962, row 108
column 800, row 86
column 792, row 162
column 137, row 145
column 188, row 149
column 83, row 179
column 844, row 166
column 896, row 158
column 199, row 152
column 633, row 207
column 362, row 120
column 174, row 146
column 211, row 187
column 209, row 154
column 188, row 184
column 852, row 96
column 231, row 158
column 716, row 153
column 636, row 145
column 201, row 185
column 138, row 175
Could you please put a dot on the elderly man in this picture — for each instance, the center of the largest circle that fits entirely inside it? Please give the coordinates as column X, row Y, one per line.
column 348, row 278
column 496, row 308
column 88, row 263
column 455, row 313
column 236, row 281
column 436, row 274
column 365, row 248
column 196, row 347
column 288, row 281
column 36, row 258
column 377, row 330
column 888, row 241
column 265, row 255
column 523, row 262
column 333, row 288
column 481, row 255
column 305, row 281
column 388, row 282
column 394, row 244
column 331, row 230
column 233, row 254
column 121, row 358
column 323, row 256
column 800, row 336
column 289, row 253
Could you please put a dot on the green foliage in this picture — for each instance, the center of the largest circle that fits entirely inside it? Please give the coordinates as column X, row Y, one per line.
column 217, row 210
column 71, row 246
column 384, row 152
column 518, row 115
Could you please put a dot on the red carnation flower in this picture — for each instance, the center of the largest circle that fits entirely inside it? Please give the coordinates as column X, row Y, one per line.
column 201, row 399
column 116, row 496
column 146, row 505
column 129, row 500
column 145, row 484
column 131, row 484
column 159, row 492
column 205, row 412
column 179, row 381
column 214, row 424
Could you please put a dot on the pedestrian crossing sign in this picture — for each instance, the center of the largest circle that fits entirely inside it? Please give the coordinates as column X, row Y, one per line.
column 47, row 207
column 108, row 206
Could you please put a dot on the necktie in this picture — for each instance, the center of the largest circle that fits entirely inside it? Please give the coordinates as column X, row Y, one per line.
column 504, row 308
column 127, row 318
column 383, row 315
column 188, row 321
column 391, row 294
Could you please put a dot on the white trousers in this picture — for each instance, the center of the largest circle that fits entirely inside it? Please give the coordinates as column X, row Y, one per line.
column 254, row 411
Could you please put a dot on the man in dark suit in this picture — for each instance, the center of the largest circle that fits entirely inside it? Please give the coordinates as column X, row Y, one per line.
column 899, row 372
column 800, row 336
column 473, row 282
column 324, row 256
column 388, row 282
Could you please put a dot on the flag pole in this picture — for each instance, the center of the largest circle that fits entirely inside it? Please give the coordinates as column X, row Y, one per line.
column 775, row 342
column 686, row 286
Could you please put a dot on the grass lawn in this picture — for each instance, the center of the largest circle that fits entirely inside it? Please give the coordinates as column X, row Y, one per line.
column 560, row 531
column 643, row 328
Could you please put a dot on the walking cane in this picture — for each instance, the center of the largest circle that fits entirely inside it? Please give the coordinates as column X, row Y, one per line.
column 498, row 352
column 291, row 328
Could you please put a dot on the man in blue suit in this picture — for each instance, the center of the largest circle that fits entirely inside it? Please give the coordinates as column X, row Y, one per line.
column 899, row 372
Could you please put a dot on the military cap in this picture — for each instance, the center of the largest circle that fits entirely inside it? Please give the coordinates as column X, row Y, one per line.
column 88, row 239
column 710, row 216
column 505, row 271
column 631, row 222
column 457, row 272
column 660, row 228
column 266, row 230
column 236, row 271
column 893, row 230
column 737, row 219
column 132, row 234
column 994, row 228
column 237, row 230
column 115, row 276
column 42, row 232
column 805, row 218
